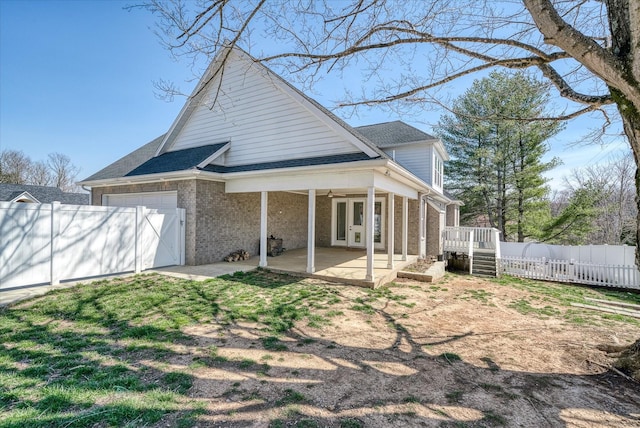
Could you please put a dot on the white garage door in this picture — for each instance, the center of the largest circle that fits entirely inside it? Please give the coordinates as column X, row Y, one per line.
column 157, row 200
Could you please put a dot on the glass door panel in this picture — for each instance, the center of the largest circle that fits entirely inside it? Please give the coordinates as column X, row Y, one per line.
column 356, row 223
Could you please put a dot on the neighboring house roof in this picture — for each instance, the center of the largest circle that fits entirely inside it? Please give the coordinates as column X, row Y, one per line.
column 23, row 197
column 41, row 194
column 390, row 134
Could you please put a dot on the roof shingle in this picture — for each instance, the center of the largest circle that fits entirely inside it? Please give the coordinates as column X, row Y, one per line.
column 391, row 134
column 44, row 194
column 179, row 160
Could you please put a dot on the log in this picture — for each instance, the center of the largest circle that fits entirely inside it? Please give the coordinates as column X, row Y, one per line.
column 620, row 311
column 612, row 303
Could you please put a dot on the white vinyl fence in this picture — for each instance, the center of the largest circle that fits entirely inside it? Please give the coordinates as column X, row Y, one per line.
column 596, row 254
column 602, row 265
column 49, row 243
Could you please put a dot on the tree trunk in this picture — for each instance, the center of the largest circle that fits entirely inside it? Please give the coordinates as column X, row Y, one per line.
column 520, row 187
column 631, row 121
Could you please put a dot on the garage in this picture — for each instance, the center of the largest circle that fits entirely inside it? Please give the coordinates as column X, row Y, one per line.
column 156, row 200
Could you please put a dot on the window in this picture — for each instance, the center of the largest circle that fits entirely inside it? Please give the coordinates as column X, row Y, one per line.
column 341, row 221
column 377, row 223
column 438, row 171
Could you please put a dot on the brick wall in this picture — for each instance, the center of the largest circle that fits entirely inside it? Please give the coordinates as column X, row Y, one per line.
column 434, row 227
column 227, row 222
column 224, row 222
column 323, row 221
column 413, row 220
column 288, row 216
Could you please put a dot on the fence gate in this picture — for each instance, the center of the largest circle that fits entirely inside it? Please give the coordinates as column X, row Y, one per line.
column 161, row 238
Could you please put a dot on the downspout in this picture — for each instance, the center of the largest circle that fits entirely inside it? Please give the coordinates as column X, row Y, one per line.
column 83, row 187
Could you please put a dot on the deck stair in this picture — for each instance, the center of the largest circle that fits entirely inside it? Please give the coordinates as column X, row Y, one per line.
column 481, row 245
column 484, row 264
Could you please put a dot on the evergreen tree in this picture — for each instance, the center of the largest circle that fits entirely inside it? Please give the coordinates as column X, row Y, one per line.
column 496, row 165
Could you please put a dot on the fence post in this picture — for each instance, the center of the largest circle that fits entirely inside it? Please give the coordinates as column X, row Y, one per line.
column 139, row 218
column 471, row 252
column 496, row 238
column 55, row 232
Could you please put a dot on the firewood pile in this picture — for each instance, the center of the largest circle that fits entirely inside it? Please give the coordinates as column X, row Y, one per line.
column 237, row 255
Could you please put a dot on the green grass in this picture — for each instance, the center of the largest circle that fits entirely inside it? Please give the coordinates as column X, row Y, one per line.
column 291, row 397
column 102, row 354
column 544, row 295
column 480, row 295
column 80, row 356
column 567, row 293
column 454, row 396
column 450, row 357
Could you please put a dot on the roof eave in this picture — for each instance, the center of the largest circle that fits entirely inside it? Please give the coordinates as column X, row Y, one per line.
column 154, row 178
column 361, row 164
column 407, row 143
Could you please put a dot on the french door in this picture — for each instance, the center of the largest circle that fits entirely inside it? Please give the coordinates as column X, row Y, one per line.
column 348, row 222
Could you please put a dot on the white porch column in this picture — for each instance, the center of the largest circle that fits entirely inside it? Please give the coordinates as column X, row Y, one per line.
column 390, row 230
column 405, row 225
column 371, row 205
column 263, row 228
column 311, row 232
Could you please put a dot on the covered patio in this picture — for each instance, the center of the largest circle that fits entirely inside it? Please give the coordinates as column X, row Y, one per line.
column 342, row 265
column 365, row 184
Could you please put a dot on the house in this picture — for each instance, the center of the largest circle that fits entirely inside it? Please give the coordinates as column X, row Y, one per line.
column 250, row 156
column 40, row 195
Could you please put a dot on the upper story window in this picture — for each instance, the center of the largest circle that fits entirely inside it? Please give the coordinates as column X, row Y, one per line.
column 438, row 172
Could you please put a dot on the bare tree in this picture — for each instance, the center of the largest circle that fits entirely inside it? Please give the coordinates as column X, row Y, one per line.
column 58, row 171
column 15, row 167
column 614, row 222
column 63, row 172
column 39, row 174
column 589, row 50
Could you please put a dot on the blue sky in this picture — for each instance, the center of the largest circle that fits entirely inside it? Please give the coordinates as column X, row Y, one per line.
column 76, row 77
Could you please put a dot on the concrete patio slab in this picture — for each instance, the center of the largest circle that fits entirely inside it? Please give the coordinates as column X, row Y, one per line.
column 347, row 266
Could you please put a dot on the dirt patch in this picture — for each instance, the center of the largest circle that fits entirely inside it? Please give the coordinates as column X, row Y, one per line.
column 465, row 353
column 421, row 266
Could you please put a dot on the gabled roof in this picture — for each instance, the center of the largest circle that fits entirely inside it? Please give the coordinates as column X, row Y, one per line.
column 395, row 133
column 42, row 194
column 24, row 197
column 215, row 70
column 179, row 160
column 388, row 135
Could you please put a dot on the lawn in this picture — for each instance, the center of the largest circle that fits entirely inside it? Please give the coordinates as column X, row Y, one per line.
column 260, row 349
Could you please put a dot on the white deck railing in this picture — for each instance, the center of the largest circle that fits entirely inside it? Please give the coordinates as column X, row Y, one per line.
column 471, row 239
column 468, row 240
